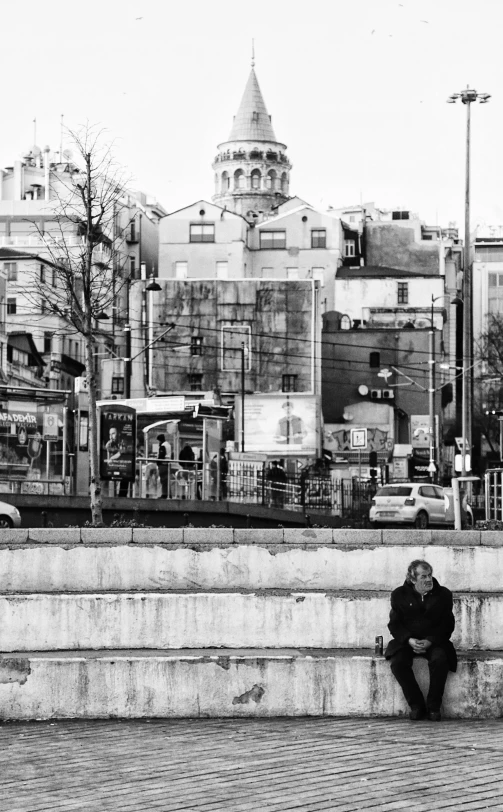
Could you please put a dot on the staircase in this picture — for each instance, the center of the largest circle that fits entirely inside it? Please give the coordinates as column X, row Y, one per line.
column 221, row 622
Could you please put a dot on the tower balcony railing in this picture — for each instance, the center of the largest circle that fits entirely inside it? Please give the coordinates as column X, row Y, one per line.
column 254, row 155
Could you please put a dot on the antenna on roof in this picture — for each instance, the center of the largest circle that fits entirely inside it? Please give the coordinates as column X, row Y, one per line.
column 61, row 140
column 253, row 54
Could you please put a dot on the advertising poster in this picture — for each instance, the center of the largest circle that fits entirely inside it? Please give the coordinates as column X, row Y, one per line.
column 337, row 438
column 420, row 430
column 280, row 424
column 118, row 442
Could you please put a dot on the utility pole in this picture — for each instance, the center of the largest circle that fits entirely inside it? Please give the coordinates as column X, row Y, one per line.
column 467, row 97
column 127, row 361
column 242, row 396
column 432, row 468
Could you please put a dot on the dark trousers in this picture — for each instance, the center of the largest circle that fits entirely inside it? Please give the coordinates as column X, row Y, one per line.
column 401, row 667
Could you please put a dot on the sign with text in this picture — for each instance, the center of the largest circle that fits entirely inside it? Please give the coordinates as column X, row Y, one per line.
column 118, row 442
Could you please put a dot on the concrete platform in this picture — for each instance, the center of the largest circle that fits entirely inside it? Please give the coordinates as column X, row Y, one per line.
column 229, row 682
column 269, row 619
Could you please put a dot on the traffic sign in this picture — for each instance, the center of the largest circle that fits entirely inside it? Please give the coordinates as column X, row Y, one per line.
column 358, row 439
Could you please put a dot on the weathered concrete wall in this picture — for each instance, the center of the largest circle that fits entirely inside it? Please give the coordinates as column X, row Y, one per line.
column 228, row 683
column 65, row 567
column 232, row 620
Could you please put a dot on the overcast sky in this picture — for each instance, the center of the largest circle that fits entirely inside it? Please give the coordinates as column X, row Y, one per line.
column 356, row 89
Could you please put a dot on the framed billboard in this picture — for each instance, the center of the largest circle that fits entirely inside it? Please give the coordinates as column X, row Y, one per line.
column 117, row 442
column 282, row 424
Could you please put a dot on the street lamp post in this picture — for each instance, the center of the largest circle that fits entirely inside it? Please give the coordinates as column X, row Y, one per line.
column 467, row 97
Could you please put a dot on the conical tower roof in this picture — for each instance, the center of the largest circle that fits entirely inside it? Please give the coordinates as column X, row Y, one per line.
column 252, row 122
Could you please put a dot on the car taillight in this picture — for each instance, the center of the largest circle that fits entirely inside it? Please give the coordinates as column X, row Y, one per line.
column 372, row 502
column 410, row 501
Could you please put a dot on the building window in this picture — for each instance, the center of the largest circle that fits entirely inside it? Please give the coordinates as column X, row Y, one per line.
column 181, row 270
column 352, row 218
column 48, row 342
column 132, row 267
column 375, row 360
column 400, row 215
column 403, row 293
column 11, row 307
column 202, row 232
column 319, row 238
column 195, row 382
column 273, row 239
column 493, row 280
column 349, row 248
column 54, row 277
column 117, row 386
column 222, row 270
column 289, row 383
column 42, row 274
column 292, row 273
column 196, row 345
column 11, row 269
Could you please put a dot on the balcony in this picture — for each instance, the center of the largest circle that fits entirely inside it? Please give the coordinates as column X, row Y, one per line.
column 38, row 241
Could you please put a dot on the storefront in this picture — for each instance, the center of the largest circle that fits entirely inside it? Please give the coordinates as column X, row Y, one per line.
column 33, row 430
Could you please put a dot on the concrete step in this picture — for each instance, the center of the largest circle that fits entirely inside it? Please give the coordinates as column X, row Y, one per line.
column 226, row 682
column 268, row 619
column 67, row 566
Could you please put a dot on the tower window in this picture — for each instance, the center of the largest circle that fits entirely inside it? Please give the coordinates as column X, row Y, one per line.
column 319, row 238
column 202, row 232
column 273, row 239
column 255, row 179
column 403, row 293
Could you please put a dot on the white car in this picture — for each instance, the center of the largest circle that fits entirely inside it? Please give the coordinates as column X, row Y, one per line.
column 9, row 516
column 414, row 503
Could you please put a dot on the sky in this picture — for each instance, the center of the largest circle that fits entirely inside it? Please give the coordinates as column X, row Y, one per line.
column 357, row 90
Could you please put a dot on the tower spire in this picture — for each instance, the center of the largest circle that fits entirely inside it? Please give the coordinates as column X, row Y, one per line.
column 253, row 54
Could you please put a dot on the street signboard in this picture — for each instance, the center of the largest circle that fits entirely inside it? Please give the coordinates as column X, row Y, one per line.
column 50, row 426
column 358, row 439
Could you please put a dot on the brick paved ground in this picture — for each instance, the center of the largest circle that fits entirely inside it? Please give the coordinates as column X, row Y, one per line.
column 250, row 765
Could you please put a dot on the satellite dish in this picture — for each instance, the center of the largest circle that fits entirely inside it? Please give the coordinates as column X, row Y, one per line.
column 363, row 389
column 67, row 154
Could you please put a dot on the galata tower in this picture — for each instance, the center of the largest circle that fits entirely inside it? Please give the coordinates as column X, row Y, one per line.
column 252, row 170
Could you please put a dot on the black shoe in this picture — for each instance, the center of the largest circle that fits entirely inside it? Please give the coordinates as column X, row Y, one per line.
column 434, row 716
column 416, row 714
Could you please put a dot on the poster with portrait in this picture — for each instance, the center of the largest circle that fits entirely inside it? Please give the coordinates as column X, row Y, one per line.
column 117, row 442
column 282, row 424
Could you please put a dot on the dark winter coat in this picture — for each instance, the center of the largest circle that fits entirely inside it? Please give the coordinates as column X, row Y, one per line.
column 426, row 617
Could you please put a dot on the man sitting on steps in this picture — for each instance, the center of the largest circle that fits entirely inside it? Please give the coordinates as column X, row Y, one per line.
column 421, row 622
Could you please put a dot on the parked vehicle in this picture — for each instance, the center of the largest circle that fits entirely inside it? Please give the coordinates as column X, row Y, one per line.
column 9, row 516
column 415, row 503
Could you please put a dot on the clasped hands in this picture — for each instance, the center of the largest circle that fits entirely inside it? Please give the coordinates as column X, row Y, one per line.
column 419, row 646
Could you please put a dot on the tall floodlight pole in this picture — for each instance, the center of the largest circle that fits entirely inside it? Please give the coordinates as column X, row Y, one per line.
column 467, row 97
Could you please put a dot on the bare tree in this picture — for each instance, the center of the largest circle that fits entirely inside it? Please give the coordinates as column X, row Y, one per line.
column 89, row 209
